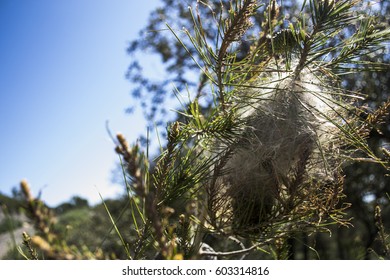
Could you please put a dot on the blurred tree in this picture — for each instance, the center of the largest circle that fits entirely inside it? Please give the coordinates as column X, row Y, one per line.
column 12, row 204
column 74, row 203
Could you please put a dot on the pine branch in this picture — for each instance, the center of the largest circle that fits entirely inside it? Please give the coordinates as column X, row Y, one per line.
column 234, row 28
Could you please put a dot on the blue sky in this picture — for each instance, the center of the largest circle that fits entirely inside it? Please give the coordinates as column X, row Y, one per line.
column 62, row 67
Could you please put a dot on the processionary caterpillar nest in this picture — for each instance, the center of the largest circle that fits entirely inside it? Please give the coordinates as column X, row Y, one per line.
column 288, row 152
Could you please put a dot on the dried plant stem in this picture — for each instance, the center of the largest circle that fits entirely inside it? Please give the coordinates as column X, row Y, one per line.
column 381, row 231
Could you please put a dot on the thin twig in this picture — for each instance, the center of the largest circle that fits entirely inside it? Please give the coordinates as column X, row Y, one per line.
column 231, row 253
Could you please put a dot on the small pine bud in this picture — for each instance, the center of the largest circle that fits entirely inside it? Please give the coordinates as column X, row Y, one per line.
column 273, row 10
column 182, row 218
column 174, row 132
column 26, row 190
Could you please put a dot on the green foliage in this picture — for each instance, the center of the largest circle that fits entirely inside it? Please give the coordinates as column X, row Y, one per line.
column 7, row 225
column 74, row 203
column 76, row 226
column 13, row 205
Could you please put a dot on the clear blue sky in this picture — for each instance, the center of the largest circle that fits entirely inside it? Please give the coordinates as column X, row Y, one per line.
column 62, row 67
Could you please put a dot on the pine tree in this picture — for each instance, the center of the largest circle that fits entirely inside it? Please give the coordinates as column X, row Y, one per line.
column 264, row 160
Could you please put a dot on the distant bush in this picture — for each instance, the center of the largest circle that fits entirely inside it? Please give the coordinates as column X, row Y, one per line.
column 7, row 225
column 13, row 205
